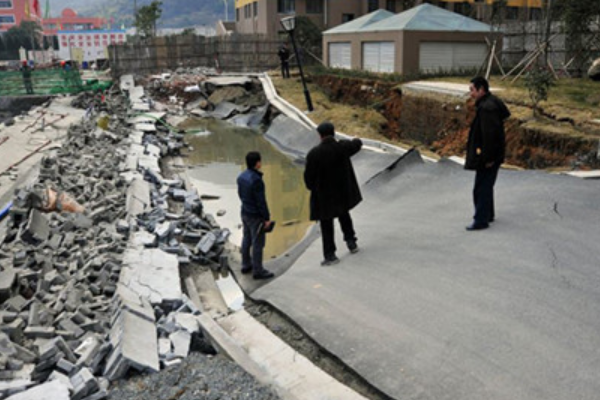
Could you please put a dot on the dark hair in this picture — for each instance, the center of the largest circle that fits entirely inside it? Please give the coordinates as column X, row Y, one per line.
column 326, row 129
column 480, row 82
column 252, row 158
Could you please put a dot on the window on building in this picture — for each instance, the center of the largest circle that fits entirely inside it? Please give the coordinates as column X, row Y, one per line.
column 463, row 8
column 7, row 19
column 372, row 5
column 286, row 6
column 390, row 5
column 255, row 8
column 237, row 14
column 535, row 14
column 512, row 13
column 6, row 4
column 314, row 6
column 347, row 18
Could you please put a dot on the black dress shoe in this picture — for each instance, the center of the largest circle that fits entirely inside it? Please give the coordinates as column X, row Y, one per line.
column 477, row 226
column 246, row 270
column 331, row 260
column 353, row 247
column 264, row 274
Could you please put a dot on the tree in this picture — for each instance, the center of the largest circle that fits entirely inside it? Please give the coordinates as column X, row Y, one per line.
column 579, row 17
column 146, row 17
column 27, row 35
column 538, row 82
column 308, row 36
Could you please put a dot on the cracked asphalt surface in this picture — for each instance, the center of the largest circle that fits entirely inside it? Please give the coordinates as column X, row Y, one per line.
column 427, row 310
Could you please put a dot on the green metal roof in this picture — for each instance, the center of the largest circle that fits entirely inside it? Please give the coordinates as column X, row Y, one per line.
column 361, row 23
column 425, row 17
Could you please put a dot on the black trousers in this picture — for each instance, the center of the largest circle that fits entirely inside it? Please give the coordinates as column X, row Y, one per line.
column 483, row 194
column 327, row 233
column 285, row 69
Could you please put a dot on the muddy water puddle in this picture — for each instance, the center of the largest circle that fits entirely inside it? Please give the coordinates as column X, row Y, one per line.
column 216, row 160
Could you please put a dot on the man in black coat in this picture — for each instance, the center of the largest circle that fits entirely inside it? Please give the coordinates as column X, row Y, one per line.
column 334, row 191
column 255, row 217
column 284, row 58
column 485, row 150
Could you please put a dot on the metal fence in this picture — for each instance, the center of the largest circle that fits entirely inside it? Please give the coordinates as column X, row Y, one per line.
column 52, row 81
column 236, row 53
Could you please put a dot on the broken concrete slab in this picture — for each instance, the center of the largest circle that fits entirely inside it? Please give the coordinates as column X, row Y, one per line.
column 37, row 229
column 53, row 390
column 8, row 388
column 181, row 343
column 138, row 197
column 137, row 348
column 84, row 383
column 151, row 274
column 7, row 280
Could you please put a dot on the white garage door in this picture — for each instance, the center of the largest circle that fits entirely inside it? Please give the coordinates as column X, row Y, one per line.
column 339, row 55
column 436, row 56
column 379, row 56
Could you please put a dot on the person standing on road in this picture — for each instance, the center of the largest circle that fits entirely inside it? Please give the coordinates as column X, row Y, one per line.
column 334, row 190
column 485, row 150
column 284, row 58
column 26, row 72
column 255, row 217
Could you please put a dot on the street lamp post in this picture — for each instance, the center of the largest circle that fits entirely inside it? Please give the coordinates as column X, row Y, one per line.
column 289, row 24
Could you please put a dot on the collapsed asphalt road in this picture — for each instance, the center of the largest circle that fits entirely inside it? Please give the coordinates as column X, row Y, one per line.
column 427, row 310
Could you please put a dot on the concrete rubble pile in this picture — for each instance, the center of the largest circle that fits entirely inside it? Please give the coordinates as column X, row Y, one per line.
column 85, row 297
column 239, row 99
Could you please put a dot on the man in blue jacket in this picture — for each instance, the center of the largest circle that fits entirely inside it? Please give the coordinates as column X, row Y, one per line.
column 255, row 217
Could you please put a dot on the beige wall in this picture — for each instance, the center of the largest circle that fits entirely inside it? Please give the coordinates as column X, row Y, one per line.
column 413, row 39
column 268, row 18
column 407, row 45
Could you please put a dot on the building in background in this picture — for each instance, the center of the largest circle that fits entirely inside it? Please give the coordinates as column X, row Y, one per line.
column 263, row 16
column 12, row 12
column 70, row 21
column 87, row 45
column 423, row 39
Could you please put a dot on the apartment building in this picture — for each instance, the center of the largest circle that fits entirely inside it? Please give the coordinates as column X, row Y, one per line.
column 263, row 16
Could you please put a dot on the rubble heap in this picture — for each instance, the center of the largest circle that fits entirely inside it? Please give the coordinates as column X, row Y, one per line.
column 85, row 297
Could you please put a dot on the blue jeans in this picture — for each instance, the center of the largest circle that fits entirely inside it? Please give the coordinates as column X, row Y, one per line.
column 253, row 243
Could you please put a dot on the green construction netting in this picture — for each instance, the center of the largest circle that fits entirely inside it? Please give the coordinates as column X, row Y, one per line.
column 53, row 81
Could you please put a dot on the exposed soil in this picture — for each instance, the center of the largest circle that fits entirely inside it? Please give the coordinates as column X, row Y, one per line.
column 296, row 338
column 441, row 124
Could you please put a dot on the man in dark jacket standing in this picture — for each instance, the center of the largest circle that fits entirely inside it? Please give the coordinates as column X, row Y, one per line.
column 334, row 191
column 255, row 217
column 485, row 150
column 284, row 58
column 26, row 71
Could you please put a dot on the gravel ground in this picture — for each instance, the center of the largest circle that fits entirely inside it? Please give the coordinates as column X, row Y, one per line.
column 198, row 377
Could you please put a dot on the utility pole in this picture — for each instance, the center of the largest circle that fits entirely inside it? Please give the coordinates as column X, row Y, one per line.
column 226, row 10
column 547, row 30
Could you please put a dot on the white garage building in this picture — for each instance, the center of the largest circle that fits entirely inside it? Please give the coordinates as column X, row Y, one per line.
column 423, row 39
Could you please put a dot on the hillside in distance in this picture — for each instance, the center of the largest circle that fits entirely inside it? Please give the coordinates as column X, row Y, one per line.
column 175, row 13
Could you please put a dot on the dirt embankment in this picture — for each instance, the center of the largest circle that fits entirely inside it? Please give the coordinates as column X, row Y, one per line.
column 441, row 124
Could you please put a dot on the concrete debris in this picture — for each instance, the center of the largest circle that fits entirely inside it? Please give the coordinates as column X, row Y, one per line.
column 52, row 390
column 85, row 298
